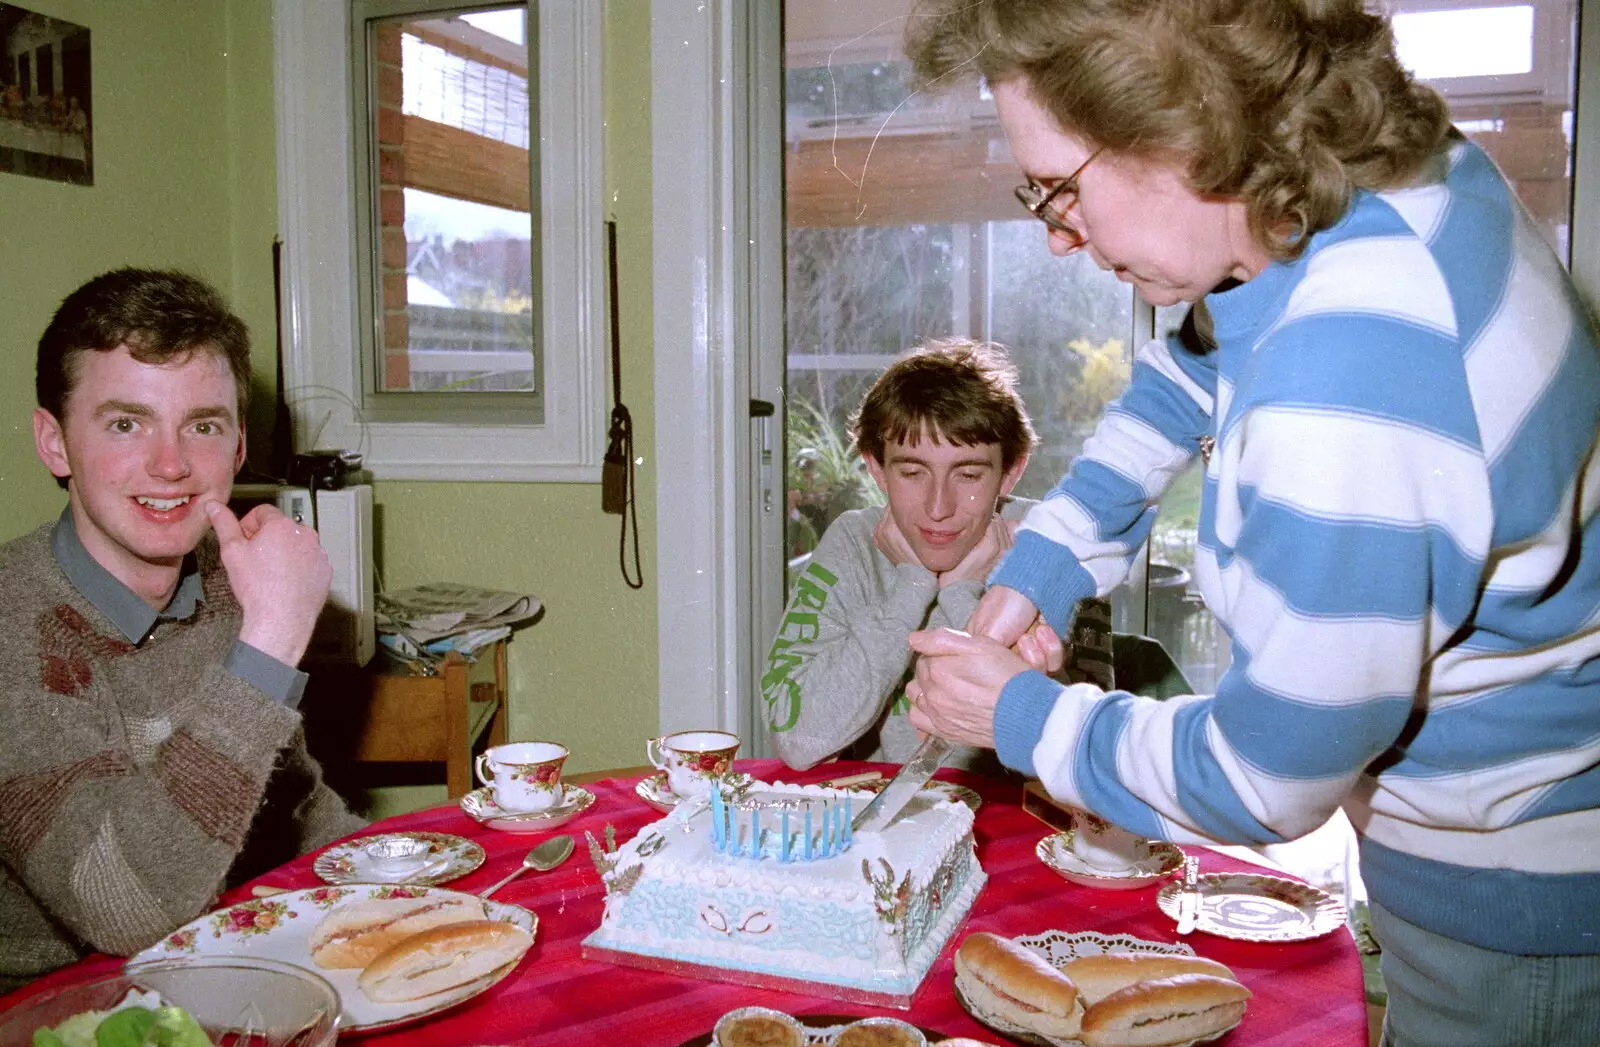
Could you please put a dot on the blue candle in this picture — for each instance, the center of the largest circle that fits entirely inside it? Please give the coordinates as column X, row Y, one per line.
column 808, row 834
column 849, row 823
column 784, row 853
column 716, row 818
column 755, row 832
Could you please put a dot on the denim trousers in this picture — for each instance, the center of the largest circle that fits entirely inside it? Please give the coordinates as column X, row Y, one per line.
column 1446, row 993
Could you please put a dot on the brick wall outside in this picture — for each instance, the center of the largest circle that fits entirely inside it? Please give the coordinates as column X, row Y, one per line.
column 1533, row 151
column 395, row 328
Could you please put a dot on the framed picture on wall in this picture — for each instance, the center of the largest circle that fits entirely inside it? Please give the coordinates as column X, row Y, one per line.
column 46, row 107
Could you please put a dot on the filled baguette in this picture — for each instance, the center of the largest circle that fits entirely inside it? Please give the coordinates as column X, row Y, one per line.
column 1099, row 976
column 355, row 934
column 1164, row 1011
column 442, row 958
column 1013, row 982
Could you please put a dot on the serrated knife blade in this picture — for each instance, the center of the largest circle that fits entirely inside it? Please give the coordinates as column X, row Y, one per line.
column 905, row 784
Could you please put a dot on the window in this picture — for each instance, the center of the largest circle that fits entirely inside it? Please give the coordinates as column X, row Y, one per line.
column 1487, row 50
column 901, row 225
column 1507, row 71
column 448, row 171
column 444, row 297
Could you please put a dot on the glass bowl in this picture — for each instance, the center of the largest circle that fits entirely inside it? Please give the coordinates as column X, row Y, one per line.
column 252, row 1002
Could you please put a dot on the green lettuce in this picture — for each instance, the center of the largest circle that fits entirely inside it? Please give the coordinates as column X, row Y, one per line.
column 139, row 1021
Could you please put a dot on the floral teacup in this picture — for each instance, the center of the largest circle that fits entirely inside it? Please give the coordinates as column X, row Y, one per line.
column 693, row 759
column 1104, row 846
column 525, row 776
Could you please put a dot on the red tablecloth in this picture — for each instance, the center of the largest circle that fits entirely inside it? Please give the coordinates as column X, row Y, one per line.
column 1307, row 994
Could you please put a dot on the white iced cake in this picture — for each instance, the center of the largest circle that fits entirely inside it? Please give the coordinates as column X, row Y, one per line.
column 870, row 918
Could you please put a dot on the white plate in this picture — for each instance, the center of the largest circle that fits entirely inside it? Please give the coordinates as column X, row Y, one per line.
column 279, row 928
column 481, row 808
column 448, row 858
column 1056, row 852
column 654, row 790
column 1057, row 947
column 1256, row 908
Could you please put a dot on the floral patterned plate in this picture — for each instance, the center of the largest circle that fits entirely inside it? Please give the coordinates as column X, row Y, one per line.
column 655, row 791
column 481, row 808
column 1256, row 908
column 280, row 927
column 447, row 858
column 1056, row 852
column 1057, row 947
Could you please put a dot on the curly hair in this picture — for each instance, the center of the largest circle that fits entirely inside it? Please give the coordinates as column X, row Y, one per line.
column 953, row 389
column 1286, row 105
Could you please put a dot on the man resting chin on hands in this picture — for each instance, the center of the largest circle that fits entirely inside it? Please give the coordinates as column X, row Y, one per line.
column 150, row 748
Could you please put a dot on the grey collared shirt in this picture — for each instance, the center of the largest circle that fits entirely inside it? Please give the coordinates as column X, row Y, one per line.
column 134, row 618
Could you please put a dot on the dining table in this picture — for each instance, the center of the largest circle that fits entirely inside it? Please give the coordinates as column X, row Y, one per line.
column 1307, row 993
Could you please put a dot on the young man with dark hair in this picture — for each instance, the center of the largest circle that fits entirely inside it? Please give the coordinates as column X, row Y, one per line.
column 946, row 437
column 150, row 748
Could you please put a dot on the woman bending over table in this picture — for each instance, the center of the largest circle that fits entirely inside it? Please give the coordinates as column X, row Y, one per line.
column 1396, row 394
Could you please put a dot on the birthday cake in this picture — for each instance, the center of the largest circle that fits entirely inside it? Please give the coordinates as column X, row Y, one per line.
column 772, row 888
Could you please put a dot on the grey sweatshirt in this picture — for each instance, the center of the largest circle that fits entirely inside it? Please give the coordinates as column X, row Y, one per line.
column 836, row 673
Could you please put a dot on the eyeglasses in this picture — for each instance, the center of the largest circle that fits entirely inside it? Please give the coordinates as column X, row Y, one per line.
column 1050, row 206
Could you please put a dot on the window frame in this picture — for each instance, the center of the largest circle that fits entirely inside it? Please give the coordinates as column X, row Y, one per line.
column 1548, row 81
column 326, row 379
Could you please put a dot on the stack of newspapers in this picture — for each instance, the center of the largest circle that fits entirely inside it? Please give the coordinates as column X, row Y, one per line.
column 419, row 626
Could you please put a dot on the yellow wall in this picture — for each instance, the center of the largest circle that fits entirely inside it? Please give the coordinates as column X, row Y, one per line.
column 585, row 674
column 183, row 158
column 184, row 177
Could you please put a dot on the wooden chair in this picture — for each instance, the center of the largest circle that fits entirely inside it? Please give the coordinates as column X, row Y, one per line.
column 361, row 716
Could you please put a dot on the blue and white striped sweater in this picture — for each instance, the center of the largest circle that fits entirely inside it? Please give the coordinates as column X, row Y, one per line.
column 1397, row 531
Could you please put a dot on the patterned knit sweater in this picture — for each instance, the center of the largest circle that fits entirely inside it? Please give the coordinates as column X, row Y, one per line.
column 134, row 779
column 1399, row 531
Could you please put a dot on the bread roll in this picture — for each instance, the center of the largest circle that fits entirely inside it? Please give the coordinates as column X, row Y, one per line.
column 1164, row 1011
column 1099, row 976
column 355, row 934
column 1013, row 982
column 442, row 958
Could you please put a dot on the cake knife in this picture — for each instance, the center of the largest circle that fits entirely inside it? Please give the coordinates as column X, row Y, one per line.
column 907, row 781
column 1189, row 896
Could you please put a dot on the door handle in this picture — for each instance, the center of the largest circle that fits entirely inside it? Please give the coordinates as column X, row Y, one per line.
column 764, row 409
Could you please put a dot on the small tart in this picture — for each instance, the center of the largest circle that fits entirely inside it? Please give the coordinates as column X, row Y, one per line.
column 758, row 1027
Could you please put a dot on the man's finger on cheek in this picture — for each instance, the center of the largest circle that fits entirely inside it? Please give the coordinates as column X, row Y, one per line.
column 223, row 522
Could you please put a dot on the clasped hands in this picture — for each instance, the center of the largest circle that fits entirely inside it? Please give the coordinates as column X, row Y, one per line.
column 959, row 675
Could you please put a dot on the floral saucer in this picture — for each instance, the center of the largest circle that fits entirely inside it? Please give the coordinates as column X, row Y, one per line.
column 655, row 791
column 481, row 808
column 441, row 858
column 1056, row 852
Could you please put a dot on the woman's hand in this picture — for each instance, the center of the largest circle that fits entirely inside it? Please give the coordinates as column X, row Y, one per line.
column 958, row 682
column 1003, row 615
column 1041, row 648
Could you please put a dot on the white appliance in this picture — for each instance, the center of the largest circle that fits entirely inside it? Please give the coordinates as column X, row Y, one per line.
column 343, row 518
